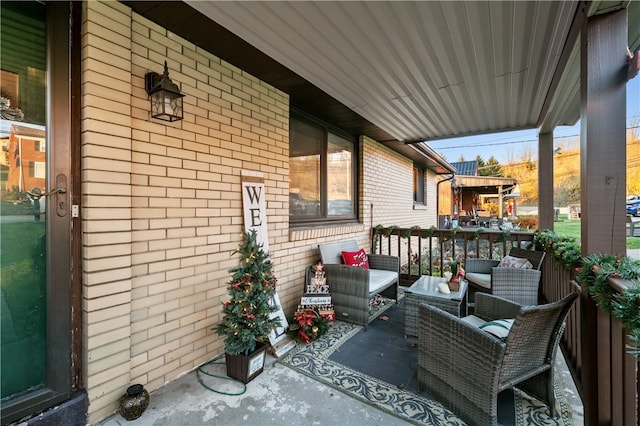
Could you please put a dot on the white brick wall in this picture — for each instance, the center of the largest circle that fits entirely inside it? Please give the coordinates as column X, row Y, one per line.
column 387, row 184
column 162, row 208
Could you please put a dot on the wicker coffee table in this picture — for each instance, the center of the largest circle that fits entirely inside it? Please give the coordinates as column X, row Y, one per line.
column 425, row 290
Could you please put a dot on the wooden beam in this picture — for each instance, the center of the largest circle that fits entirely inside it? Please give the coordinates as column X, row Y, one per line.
column 545, row 181
column 603, row 72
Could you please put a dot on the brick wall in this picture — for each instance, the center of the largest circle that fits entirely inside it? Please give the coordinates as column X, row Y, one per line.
column 107, row 269
column 162, row 208
column 387, row 188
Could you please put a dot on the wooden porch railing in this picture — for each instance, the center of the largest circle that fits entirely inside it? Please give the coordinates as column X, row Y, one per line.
column 606, row 376
column 425, row 252
column 594, row 345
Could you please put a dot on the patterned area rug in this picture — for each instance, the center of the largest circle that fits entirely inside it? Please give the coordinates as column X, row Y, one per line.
column 314, row 360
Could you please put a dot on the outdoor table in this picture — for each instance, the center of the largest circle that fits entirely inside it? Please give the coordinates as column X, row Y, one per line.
column 425, row 290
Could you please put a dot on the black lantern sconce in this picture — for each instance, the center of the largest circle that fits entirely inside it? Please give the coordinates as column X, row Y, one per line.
column 166, row 99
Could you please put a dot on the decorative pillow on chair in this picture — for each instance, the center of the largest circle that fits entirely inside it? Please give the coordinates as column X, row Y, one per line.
column 499, row 328
column 356, row 258
column 514, row 262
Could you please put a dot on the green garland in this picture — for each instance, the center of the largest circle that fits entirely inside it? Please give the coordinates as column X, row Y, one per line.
column 376, row 238
column 390, row 230
column 429, row 232
column 453, row 234
column 407, row 233
column 564, row 249
column 476, row 234
column 595, row 273
column 506, row 234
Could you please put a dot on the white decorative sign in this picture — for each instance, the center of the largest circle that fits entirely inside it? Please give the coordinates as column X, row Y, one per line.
column 315, row 300
column 256, row 363
column 280, row 341
column 254, row 206
column 255, row 217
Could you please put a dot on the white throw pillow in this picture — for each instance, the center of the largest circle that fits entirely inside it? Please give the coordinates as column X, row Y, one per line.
column 514, row 262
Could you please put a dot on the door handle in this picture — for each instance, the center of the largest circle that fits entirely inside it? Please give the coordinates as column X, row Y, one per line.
column 61, row 195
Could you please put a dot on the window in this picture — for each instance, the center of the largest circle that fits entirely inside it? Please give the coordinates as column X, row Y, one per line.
column 322, row 172
column 418, row 185
column 39, row 170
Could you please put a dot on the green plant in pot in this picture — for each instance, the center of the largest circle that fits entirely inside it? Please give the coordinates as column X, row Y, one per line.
column 457, row 273
column 247, row 319
column 453, row 266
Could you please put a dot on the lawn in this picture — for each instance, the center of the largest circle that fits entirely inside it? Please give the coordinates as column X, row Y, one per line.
column 571, row 228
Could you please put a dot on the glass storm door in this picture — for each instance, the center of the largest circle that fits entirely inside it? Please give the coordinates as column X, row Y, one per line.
column 34, row 223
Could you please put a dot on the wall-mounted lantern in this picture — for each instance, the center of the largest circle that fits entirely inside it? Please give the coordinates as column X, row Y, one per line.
column 166, row 99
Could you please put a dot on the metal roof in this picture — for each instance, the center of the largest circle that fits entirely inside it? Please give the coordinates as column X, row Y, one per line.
column 404, row 72
column 466, row 168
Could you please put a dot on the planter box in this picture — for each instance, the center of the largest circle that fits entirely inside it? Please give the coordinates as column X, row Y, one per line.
column 246, row 367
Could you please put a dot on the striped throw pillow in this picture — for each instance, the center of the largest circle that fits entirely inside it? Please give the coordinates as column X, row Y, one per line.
column 499, row 328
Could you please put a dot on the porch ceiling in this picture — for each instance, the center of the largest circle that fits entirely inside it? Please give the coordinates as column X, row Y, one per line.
column 406, row 71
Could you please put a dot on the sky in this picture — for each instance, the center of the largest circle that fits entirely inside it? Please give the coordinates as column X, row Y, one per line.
column 508, row 146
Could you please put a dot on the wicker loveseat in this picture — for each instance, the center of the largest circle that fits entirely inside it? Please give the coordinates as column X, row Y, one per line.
column 465, row 367
column 353, row 287
column 516, row 284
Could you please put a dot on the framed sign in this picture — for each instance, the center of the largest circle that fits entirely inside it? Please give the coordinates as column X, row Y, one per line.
column 256, row 363
column 280, row 341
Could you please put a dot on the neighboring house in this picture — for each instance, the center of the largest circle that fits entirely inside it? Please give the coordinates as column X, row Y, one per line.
column 470, row 192
column 27, row 152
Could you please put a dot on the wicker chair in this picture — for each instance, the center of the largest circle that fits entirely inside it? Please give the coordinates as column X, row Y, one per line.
column 351, row 287
column 518, row 285
column 465, row 367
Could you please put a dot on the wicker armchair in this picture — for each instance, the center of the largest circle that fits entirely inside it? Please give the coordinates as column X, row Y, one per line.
column 465, row 367
column 518, row 285
column 352, row 287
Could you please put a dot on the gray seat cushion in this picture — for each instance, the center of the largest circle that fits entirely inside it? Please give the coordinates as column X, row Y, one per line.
column 483, row 280
column 380, row 279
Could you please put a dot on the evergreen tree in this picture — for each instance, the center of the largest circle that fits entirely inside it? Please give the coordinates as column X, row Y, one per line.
column 246, row 315
column 480, row 164
column 491, row 168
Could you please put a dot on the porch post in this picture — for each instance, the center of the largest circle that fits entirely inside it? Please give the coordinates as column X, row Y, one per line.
column 603, row 187
column 545, row 181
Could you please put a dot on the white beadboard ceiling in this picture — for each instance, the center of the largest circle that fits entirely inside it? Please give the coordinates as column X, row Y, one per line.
column 423, row 70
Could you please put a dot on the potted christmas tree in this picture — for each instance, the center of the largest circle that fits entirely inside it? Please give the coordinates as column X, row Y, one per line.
column 247, row 317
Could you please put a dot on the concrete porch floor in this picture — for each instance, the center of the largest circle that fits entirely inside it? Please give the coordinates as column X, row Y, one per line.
column 278, row 396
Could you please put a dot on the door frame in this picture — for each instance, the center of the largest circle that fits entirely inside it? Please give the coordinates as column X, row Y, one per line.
column 63, row 330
